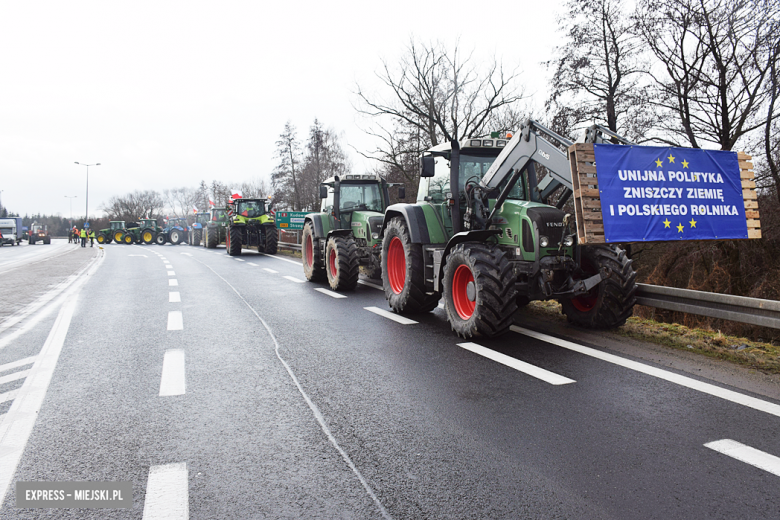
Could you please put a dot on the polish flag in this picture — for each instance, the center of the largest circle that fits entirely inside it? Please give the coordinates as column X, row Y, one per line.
column 211, row 203
column 194, row 209
column 236, row 195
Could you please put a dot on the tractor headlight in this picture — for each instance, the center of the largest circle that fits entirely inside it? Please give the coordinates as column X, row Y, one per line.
column 568, row 241
column 544, row 241
column 375, row 236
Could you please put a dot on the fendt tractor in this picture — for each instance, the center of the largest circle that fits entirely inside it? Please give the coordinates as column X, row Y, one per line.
column 483, row 234
column 175, row 231
column 215, row 231
column 251, row 226
column 195, row 233
column 344, row 235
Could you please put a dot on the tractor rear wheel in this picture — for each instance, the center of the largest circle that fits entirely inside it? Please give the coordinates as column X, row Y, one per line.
column 196, row 236
column 271, row 239
column 403, row 271
column 313, row 267
column 342, row 266
column 212, row 239
column 234, row 241
column 118, row 236
column 176, row 237
column 480, row 298
column 610, row 303
column 147, row 236
column 160, row 239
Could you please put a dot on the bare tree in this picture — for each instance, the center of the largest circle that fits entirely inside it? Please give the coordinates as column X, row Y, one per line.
column 285, row 177
column 135, row 205
column 770, row 178
column 181, row 202
column 435, row 95
column 324, row 157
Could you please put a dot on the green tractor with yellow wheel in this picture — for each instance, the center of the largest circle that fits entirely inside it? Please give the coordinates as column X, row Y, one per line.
column 251, row 226
column 114, row 233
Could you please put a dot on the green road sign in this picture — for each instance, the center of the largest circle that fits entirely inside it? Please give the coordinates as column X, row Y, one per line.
column 290, row 220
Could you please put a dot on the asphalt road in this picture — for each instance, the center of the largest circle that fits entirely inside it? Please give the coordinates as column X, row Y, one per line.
column 232, row 388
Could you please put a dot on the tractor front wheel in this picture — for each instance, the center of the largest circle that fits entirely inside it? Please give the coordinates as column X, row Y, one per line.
column 128, row 238
column 160, row 239
column 313, row 267
column 611, row 302
column 101, row 238
column 479, row 294
column 271, row 239
column 234, row 241
column 212, row 239
column 196, row 237
column 176, row 237
column 403, row 271
column 342, row 266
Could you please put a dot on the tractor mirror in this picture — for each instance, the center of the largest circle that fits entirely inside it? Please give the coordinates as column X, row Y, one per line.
column 402, row 192
column 323, row 192
column 427, row 166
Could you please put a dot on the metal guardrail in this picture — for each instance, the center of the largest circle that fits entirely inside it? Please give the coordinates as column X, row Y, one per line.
column 754, row 311
column 296, row 247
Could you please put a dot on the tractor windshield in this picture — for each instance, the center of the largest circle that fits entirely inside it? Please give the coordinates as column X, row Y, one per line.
column 355, row 196
column 218, row 215
column 251, row 209
column 472, row 168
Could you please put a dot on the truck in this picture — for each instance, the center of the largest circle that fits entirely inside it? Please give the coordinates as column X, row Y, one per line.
column 486, row 234
column 38, row 233
column 195, row 234
column 11, row 229
column 344, row 236
column 251, row 225
column 215, row 230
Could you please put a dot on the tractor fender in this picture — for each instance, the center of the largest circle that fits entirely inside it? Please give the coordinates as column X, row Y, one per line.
column 339, row 233
column 439, row 259
column 316, row 221
column 415, row 221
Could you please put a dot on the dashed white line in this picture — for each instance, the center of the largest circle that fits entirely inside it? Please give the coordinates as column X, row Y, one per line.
column 250, row 263
column 18, row 363
column 14, row 377
column 375, row 286
column 390, row 315
column 282, row 259
column 171, row 273
column 173, row 380
column 521, row 366
column 746, row 454
column 167, row 493
column 293, row 279
column 172, row 282
column 239, row 260
column 270, row 270
column 174, row 297
column 681, row 380
column 332, row 294
column 175, row 321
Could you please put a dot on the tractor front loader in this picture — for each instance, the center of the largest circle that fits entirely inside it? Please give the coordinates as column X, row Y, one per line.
column 251, row 226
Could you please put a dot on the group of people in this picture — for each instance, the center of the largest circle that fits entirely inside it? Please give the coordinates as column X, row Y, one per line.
column 83, row 234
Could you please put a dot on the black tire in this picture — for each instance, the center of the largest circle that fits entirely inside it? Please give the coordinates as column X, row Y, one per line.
column 313, row 266
column 176, row 237
column 101, row 238
column 118, row 236
column 46, row 241
column 341, row 263
column 271, row 239
column 610, row 303
column 196, row 236
column 147, row 236
column 481, row 272
column 212, row 239
column 31, row 241
column 405, row 286
column 234, row 241
column 128, row 239
column 160, row 239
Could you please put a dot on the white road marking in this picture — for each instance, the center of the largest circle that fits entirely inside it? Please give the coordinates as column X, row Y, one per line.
column 282, row 259
column 174, row 297
column 138, row 255
column 390, row 315
column 270, row 270
column 250, row 263
column 167, row 493
column 173, row 380
column 171, row 273
column 294, row 279
column 332, row 294
column 14, row 377
column 186, row 254
column 521, row 366
column 746, row 454
column 175, row 321
column 19, row 363
column 239, row 260
column 8, row 396
column 162, row 257
column 681, row 380
column 172, row 282
column 375, row 286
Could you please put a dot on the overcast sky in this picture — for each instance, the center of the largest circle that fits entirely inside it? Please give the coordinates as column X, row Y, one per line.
column 165, row 94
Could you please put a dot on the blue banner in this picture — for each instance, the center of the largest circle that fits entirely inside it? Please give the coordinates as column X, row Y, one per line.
column 665, row 193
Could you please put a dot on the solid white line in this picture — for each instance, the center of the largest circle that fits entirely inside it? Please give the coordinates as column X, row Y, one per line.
column 172, row 282
column 14, row 377
column 250, row 263
column 239, row 260
column 270, row 270
column 282, row 259
column 685, row 381
column 174, row 297
column 167, row 493
column 746, row 454
column 171, row 273
column 19, row 363
column 293, row 279
column 375, row 286
column 521, row 366
column 8, row 396
column 332, row 294
column 173, row 380
column 390, row 315
column 175, row 321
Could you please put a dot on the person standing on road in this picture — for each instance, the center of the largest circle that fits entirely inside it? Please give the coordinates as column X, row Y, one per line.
column 91, row 237
column 83, row 237
column 75, row 234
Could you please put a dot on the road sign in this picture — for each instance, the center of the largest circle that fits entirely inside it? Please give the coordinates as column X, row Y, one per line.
column 290, row 220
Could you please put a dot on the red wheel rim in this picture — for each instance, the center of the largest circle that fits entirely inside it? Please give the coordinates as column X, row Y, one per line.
column 332, row 263
column 309, row 252
column 460, row 282
column 396, row 265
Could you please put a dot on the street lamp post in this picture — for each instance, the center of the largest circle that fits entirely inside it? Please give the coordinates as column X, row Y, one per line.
column 71, row 197
column 86, row 215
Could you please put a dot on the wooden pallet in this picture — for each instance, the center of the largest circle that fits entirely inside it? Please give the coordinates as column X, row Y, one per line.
column 587, row 201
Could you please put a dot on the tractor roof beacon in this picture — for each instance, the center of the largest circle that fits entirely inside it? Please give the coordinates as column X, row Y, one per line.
column 484, row 235
column 344, row 236
column 251, row 225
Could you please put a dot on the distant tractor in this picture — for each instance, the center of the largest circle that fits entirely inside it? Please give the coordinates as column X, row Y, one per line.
column 175, row 231
column 149, row 230
column 195, row 234
column 215, row 230
column 132, row 234
column 251, row 226
column 38, row 233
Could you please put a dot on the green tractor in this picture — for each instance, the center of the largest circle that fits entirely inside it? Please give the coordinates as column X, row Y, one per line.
column 344, row 235
column 251, row 226
column 114, row 233
column 195, row 233
column 215, row 230
column 483, row 234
